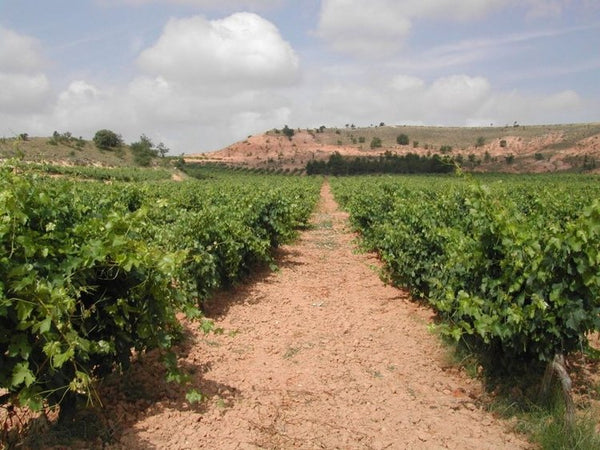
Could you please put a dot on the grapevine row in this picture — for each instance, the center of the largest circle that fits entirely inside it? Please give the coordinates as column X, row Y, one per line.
column 511, row 266
column 91, row 272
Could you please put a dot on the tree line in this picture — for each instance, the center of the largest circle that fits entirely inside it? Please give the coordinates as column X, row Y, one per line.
column 386, row 163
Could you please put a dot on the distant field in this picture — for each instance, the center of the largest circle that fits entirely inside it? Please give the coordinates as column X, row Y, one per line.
column 509, row 149
column 457, row 137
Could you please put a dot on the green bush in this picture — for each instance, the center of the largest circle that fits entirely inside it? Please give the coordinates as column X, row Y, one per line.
column 107, row 139
column 143, row 151
column 402, row 139
column 289, row 132
column 376, row 142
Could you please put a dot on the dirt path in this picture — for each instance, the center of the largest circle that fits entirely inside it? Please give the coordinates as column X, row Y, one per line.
column 317, row 355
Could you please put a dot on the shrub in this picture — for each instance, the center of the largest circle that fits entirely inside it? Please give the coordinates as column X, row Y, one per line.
column 538, row 156
column 402, row 139
column 376, row 142
column 361, row 140
column 107, row 139
column 503, row 143
column 480, row 141
column 143, row 151
column 287, row 131
column 446, row 148
column 415, row 144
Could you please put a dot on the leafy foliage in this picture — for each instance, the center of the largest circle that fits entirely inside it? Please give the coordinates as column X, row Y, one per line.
column 387, row 163
column 144, row 151
column 402, row 139
column 376, row 142
column 288, row 132
column 514, row 268
column 91, row 272
column 101, row 173
column 107, row 139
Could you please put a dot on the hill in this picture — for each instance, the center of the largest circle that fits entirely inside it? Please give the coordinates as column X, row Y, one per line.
column 540, row 148
column 75, row 152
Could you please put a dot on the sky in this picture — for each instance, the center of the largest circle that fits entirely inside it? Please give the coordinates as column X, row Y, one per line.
column 199, row 75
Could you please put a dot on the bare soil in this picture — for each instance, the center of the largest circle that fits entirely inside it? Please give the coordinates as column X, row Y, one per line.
column 533, row 149
column 319, row 354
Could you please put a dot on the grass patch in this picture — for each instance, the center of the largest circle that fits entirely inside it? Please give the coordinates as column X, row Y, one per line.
column 291, row 352
column 515, row 396
column 326, row 224
column 545, row 425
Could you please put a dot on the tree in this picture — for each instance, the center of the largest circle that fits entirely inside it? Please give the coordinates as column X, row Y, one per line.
column 107, row 139
column 143, row 151
column 289, row 132
column 162, row 149
column 402, row 139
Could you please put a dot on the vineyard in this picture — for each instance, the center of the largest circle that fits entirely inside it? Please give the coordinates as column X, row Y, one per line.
column 92, row 273
column 98, row 266
column 511, row 266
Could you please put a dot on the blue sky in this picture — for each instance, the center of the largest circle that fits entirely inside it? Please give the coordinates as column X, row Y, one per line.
column 201, row 74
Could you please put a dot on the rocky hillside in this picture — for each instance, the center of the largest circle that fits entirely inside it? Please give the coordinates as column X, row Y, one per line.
column 543, row 148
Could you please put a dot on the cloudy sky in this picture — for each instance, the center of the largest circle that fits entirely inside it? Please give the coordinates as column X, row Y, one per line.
column 201, row 74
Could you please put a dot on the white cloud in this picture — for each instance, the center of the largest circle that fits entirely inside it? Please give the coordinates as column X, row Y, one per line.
column 367, row 28
column 78, row 93
column 457, row 100
column 380, row 27
column 241, row 50
column 23, row 92
column 565, row 100
column 203, row 85
column 404, row 83
column 19, row 53
column 83, row 108
column 221, row 77
column 23, row 88
column 457, row 93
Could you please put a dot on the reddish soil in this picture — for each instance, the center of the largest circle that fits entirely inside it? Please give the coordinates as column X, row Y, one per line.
column 532, row 154
column 320, row 354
